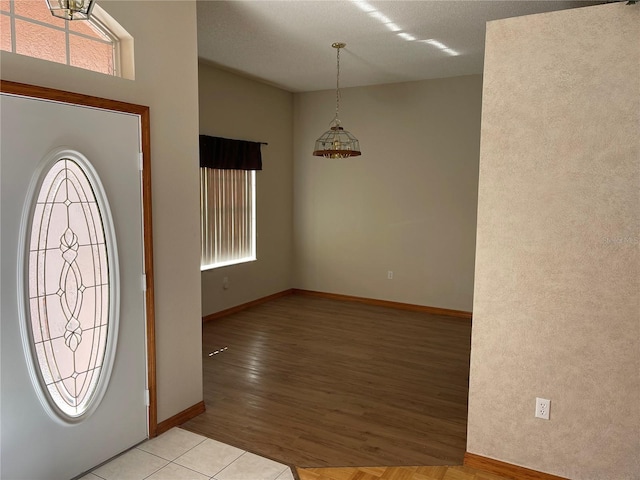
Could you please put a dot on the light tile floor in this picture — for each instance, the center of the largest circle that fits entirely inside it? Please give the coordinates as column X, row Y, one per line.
column 182, row 455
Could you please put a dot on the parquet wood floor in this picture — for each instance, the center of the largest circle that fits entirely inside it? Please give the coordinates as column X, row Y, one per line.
column 317, row 382
column 396, row 473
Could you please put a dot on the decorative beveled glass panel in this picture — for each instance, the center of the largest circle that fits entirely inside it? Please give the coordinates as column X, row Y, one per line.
column 69, row 286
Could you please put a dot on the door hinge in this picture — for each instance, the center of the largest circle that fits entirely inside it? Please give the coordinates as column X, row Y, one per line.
column 147, row 400
column 141, row 157
column 144, row 282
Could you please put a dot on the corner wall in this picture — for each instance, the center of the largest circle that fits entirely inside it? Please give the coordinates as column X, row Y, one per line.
column 166, row 81
column 407, row 205
column 557, row 296
column 232, row 106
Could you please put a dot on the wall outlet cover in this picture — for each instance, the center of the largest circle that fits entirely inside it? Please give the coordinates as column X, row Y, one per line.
column 543, row 406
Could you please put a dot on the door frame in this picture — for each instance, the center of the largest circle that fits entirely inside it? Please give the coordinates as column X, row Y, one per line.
column 61, row 96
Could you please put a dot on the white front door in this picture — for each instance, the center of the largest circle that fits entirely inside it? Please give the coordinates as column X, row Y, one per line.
column 53, row 425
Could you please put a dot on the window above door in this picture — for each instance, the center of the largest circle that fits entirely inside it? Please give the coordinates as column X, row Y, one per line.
column 99, row 44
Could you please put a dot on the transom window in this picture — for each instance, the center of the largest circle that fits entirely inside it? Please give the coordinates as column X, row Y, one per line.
column 28, row 28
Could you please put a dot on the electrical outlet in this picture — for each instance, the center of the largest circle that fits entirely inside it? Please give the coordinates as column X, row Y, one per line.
column 390, row 275
column 542, row 408
column 225, row 282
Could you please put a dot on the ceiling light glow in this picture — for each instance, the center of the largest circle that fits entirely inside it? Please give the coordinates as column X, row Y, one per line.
column 386, row 21
column 435, row 43
column 380, row 16
column 364, row 6
column 441, row 46
column 407, row 36
column 392, row 26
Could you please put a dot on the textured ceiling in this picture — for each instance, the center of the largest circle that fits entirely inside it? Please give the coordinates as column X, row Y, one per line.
column 287, row 43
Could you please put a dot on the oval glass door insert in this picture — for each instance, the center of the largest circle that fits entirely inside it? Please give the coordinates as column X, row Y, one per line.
column 71, row 283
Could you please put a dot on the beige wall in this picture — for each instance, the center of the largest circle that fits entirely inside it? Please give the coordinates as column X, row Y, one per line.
column 408, row 204
column 557, row 298
column 166, row 81
column 235, row 107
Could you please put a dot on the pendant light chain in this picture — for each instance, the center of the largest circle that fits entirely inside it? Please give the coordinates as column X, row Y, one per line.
column 337, row 142
column 338, row 86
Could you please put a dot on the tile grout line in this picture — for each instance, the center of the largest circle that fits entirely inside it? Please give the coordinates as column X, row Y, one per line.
column 156, row 470
column 286, row 467
column 120, row 455
column 204, row 439
column 227, row 466
column 282, row 471
column 174, row 461
column 137, row 447
column 280, row 474
column 188, row 468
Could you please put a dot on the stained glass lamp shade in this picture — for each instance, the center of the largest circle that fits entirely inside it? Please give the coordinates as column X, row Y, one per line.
column 337, row 142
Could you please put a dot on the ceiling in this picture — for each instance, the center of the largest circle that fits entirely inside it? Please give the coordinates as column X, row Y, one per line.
column 287, row 43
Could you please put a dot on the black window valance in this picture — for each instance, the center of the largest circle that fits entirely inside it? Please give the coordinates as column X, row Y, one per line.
column 228, row 154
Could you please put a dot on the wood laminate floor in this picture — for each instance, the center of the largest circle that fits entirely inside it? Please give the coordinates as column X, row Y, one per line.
column 396, row 473
column 316, row 382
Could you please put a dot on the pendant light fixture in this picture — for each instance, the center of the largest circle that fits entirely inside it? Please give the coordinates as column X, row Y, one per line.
column 71, row 9
column 337, row 142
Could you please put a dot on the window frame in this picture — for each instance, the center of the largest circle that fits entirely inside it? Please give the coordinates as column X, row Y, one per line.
column 207, row 236
column 95, row 21
column 36, row 188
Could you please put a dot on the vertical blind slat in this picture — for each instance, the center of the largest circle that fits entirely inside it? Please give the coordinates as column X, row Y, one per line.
column 227, row 211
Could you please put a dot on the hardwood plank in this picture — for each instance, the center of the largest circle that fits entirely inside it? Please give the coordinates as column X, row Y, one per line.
column 244, row 306
column 387, row 303
column 507, row 470
column 396, row 473
column 317, row 382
